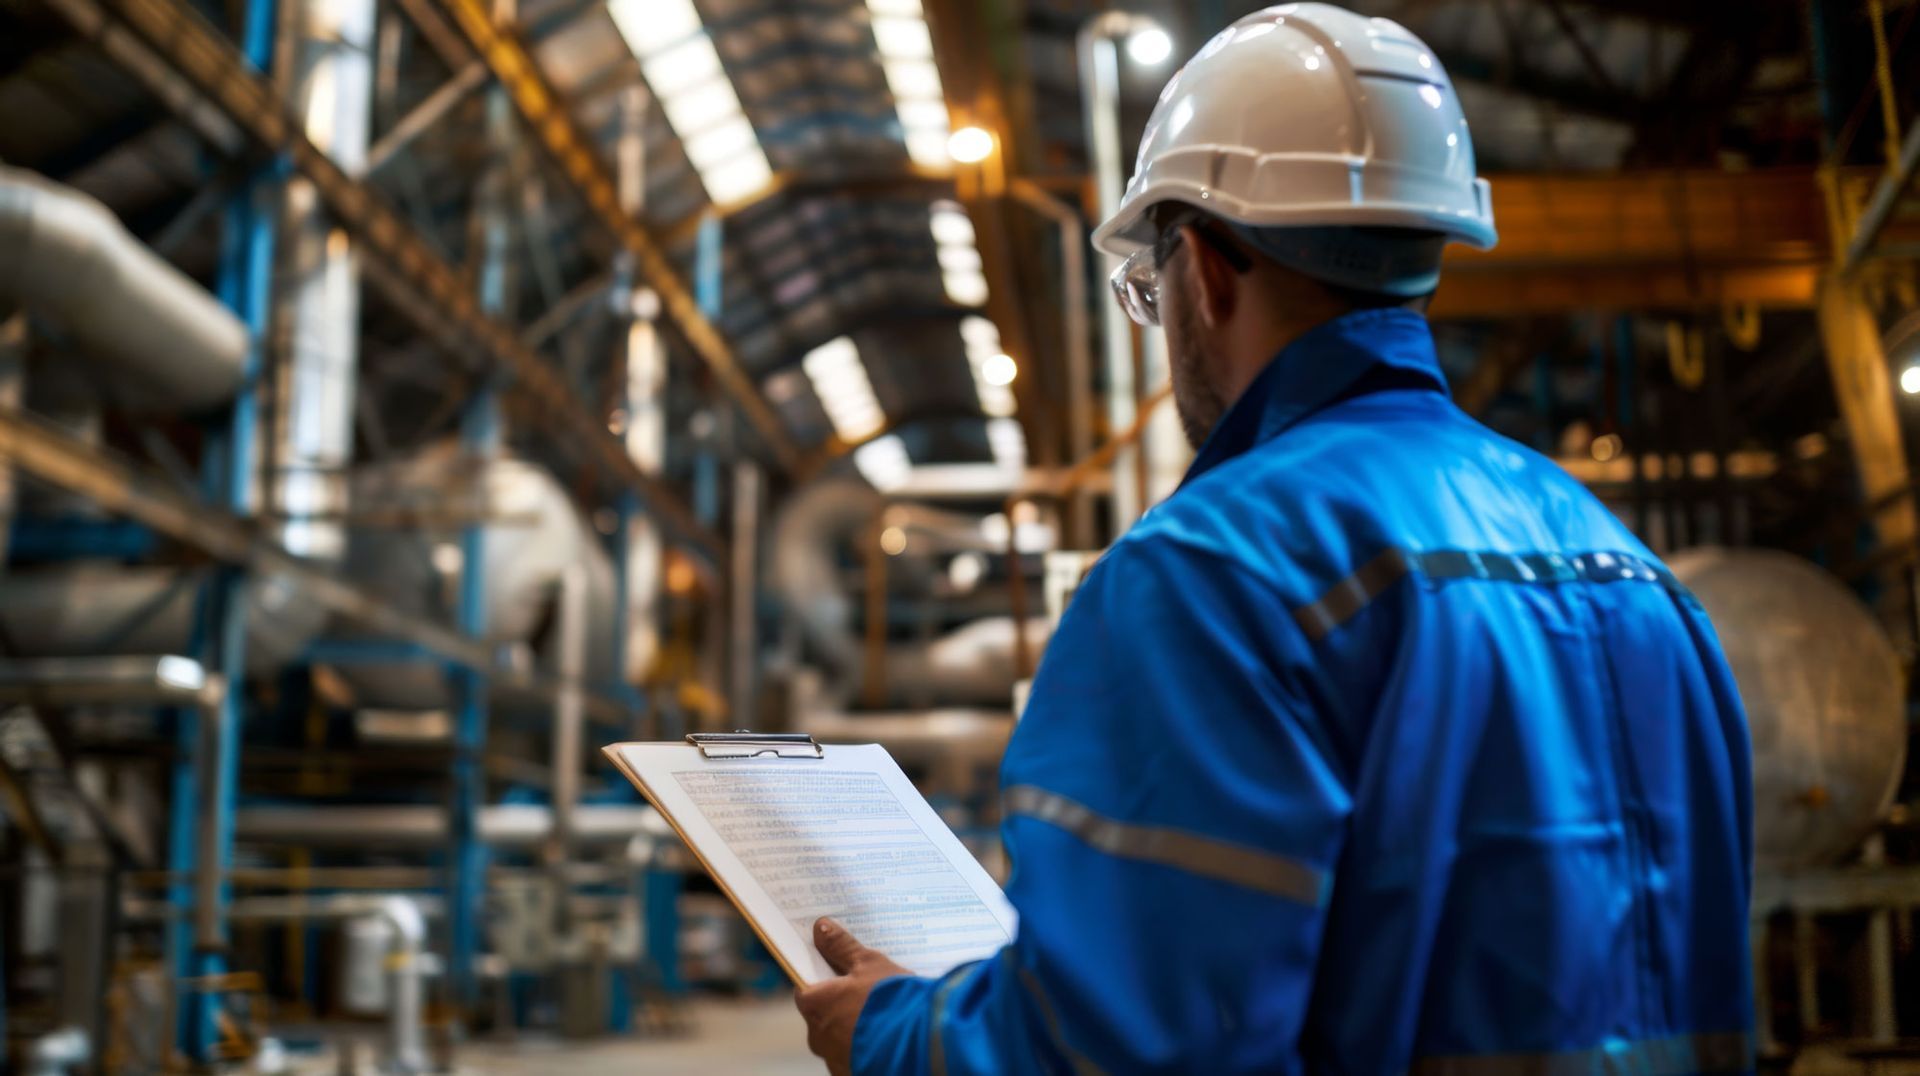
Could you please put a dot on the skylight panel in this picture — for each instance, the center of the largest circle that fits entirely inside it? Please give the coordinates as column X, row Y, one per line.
column 678, row 60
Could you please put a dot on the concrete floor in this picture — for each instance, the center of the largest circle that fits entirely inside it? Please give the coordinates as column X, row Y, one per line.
column 727, row 1038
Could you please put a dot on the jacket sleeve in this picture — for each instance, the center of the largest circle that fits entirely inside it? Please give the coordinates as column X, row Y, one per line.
column 1174, row 806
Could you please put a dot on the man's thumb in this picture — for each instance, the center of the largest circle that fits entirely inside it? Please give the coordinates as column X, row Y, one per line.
column 840, row 948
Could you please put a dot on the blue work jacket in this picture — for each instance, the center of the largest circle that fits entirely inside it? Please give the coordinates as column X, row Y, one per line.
column 1381, row 746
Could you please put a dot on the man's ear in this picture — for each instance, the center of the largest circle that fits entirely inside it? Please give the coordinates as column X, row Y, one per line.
column 1216, row 285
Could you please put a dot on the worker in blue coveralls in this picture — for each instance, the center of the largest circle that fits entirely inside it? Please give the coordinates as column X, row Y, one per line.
column 1380, row 746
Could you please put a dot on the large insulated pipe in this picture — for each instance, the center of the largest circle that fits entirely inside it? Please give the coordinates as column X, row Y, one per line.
column 316, row 392
column 71, row 263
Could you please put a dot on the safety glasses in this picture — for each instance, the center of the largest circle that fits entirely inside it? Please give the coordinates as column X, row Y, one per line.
column 1136, row 283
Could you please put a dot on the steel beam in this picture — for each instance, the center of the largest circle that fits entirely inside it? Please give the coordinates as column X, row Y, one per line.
column 1652, row 240
column 168, row 46
column 554, row 126
column 1863, row 385
column 1886, row 196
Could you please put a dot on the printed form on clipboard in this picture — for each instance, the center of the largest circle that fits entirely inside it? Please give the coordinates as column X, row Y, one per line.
column 793, row 831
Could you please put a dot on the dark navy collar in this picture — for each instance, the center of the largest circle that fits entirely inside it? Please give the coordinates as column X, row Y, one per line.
column 1317, row 369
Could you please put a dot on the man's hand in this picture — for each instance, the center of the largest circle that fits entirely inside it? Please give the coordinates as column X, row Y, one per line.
column 832, row 1007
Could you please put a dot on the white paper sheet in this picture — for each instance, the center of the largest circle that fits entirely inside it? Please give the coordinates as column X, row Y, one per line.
column 846, row 836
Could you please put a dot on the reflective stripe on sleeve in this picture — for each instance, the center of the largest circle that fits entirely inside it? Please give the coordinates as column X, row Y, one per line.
column 937, row 1015
column 1081, row 1065
column 1179, row 849
column 1678, row 1055
column 1345, row 599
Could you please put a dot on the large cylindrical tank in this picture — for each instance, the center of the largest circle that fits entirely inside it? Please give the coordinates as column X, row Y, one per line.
column 533, row 533
column 1825, row 698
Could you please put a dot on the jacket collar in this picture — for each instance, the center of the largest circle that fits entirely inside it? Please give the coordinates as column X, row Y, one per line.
column 1319, row 368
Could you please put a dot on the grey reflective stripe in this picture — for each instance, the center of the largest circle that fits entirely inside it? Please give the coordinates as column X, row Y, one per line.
column 1345, row 599
column 1350, row 595
column 1081, row 1065
column 1678, row 1055
column 937, row 1014
column 1179, row 849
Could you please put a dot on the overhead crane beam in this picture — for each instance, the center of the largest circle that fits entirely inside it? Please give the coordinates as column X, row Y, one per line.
column 1643, row 240
column 174, row 45
column 554, row 126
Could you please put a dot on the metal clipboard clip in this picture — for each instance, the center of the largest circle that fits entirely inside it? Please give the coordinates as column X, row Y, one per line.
column 738, row 745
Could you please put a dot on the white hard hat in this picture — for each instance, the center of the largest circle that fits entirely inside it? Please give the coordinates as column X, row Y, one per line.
column 1309, row 116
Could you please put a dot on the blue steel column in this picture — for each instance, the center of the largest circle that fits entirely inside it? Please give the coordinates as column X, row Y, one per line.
column 244, row 282
column 480, row 435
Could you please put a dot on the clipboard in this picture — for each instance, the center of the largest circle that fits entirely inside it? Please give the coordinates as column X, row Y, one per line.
column 790, row 830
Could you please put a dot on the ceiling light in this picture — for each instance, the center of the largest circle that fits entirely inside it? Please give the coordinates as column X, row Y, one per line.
column 965, row 571
column 651, row 26
column 923, row 115
column 1150, row 46
column 1910, row 381
column 970, row 145
column 840, row 381
column 883, row 462
column 999, row 369
column 913, row 80
column 721, row 143
column 959, row 259
column 738, row 178
column 688, row 64
column 904, row 38
column 967, row 287
column 928, row 149
column 893, row 541
column 683, row 71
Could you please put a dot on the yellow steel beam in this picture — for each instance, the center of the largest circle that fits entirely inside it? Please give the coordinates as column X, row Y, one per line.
column 553, row 125
column 195, row 69
column 1654, row 240
column 1861, row 381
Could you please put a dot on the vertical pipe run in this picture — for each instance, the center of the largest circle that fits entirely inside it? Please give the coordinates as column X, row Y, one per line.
column 318, row 387
column 743, row 588
column 1079, row 346
column 1100, row 96
column 569, row 713
column 874, row 665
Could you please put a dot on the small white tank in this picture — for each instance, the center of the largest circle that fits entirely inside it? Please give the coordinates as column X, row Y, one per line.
column 1825, row 698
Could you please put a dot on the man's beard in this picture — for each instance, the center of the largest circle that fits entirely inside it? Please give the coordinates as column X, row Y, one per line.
column 1194, row 397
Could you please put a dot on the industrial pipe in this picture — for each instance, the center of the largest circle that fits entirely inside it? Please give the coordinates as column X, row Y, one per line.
column 407, row 943
column 1079, row 340
column 70, row 262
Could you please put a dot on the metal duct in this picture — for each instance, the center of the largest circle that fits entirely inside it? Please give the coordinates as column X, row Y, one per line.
column 815, row 525
column 107, row 609
column 70, row 262
column 534, row 534
column 971, row 665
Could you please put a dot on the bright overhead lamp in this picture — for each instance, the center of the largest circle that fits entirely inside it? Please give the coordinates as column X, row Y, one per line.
column 883, row 462
column 970, row 145
column 999, row 369
column 651, row 26
column 967, row 287
column 1910, row 381
column 1150, row 46
column 902, row 37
